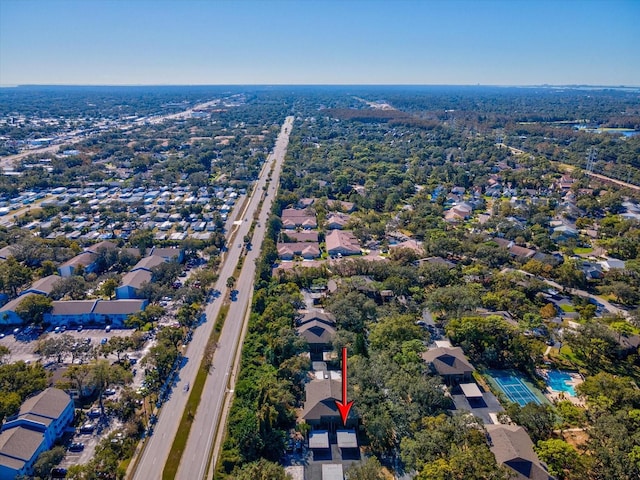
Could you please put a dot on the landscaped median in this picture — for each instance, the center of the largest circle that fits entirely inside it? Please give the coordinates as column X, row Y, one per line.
column 180, row 441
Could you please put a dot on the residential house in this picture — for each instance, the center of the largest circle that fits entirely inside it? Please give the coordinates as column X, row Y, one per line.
column 41, row 420
column 337, row 221
column 410, row 244
column 450, row 363
column 131, row 283
column 342, row 242
column 293, row 218
column 320, row 410
column 169, row 254
column 8, row 315
column 93, row 312
column 147, row 263
column 43, row 286
column 318, row 335
column 85, row 260
column 306, row 250
column 513, row 448
column 316, row 316
column 341, row 206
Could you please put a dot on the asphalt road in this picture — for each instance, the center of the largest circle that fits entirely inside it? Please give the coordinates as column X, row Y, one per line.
column 196, row 455
column 221, row 380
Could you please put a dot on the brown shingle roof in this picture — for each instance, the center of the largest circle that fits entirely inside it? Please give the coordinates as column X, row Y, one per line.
column 448, row 361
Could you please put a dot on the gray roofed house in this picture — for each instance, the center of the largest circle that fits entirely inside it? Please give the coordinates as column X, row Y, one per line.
column 513, row 448
column 131, row 283
column 450, row 363
column 43, row 286
column 85, row 259
column 319, row 335
column 320, row 408
column 323, row 317
column 19, row 449
column 41, row 420
column 168, row 253
column 93, row 312
column 104, row 245
column 147, row 263
column 8, row 315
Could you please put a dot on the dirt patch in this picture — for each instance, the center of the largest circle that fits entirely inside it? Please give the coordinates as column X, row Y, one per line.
column 576, row 438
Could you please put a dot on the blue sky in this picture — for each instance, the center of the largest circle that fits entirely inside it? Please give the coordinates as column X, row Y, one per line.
column 504, row 42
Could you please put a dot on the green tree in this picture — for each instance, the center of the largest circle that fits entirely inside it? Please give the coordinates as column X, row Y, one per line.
column 370, row 469
column 261, row 470
column 47, row 460
column 33, row 307
column 563, row 461
column 13, row 276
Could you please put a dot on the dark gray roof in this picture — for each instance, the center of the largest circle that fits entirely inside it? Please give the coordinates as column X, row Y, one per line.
column 72, row 307
column 49, row 403
column 147, row 263
column 326, row 318
column 18, row 445
column 320, row 399
column 119, row 307
column 512, row 447
column 317, row 332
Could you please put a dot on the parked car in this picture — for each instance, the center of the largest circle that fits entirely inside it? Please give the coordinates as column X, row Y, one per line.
column 103, row 341
column 87, row 428
column 76, row 447
column 80, row 327
column 58, row 472
column 107, row 328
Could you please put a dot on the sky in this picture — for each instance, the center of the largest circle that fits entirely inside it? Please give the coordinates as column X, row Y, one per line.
column 188, row 42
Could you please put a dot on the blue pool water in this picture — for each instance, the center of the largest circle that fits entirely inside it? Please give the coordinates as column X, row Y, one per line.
column 559, row 381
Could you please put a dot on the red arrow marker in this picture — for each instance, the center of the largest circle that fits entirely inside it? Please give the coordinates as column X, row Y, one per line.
column 344, row 406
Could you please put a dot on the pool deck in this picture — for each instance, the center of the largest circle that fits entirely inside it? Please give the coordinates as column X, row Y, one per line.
column 557, row 395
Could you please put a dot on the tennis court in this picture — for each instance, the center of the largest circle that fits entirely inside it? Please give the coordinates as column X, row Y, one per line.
column 515, row 390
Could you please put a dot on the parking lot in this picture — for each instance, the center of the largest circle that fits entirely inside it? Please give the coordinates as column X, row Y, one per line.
column 22, row 346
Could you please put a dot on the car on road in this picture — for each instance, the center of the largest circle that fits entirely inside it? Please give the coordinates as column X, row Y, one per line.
column 110, row 391
column 56, row 330
column 76, row 447
column 103, row 341
column 80, row 328
column 186, row 387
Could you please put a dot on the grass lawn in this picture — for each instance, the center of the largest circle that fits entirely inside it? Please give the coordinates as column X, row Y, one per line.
column 582, row 250
column 567, row 308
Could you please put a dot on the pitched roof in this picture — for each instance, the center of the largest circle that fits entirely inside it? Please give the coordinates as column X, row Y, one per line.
column 320, row 399
column 18, row 445
column 342, row 240
column 104, row 245
column 119, row 307
column 317, row 332
column 6, row 252
column 84, row 259
column 11, row 306
column 50, row 403
column 323, row 317
column 136, row 278
column 167, row 253
column 300, row 248
column 448, row 361
column 72, row 307
column 512, row 447
column 45, row 284
column 147, row 263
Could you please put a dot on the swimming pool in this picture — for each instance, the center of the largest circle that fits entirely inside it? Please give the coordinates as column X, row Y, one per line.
column 559, row 381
